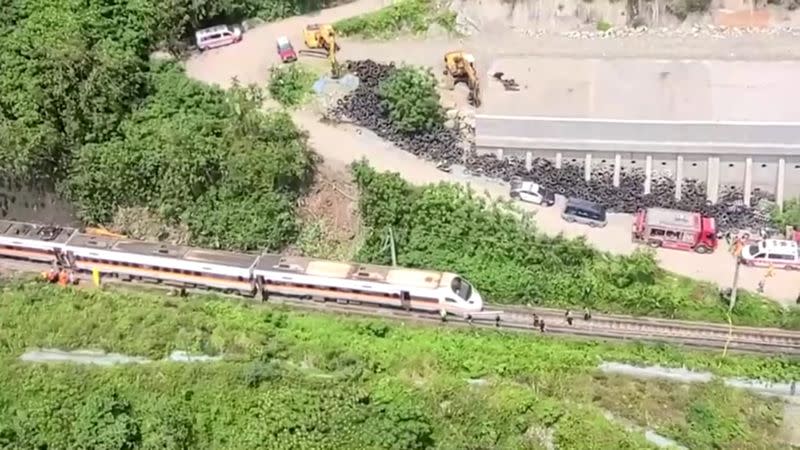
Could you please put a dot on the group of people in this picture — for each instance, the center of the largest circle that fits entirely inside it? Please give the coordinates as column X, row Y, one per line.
column 61, row 276
column 538, row 322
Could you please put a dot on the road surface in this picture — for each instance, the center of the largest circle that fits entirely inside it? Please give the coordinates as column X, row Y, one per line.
column 606, row 135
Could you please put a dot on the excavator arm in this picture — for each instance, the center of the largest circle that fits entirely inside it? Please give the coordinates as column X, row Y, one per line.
column 474, row 84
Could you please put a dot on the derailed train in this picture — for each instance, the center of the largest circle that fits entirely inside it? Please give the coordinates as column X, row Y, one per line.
column 253, row 275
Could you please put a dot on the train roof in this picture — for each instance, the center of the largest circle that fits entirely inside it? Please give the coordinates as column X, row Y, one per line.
column 673, row 218
column 157, row 249
column 366, row 272
column 35, row 232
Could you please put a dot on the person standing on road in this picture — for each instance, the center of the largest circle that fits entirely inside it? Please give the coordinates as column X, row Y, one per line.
column 568, row 315
column 536, row 319
column 586, row 314
column 541, row 325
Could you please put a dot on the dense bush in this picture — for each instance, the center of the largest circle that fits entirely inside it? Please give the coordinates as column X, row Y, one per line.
column 82, row 106
column 404, row 16
column 198, row 153
column 299, row 380
column 790, row 216
column 290, row 85
column 411, row 98
column 448, row 227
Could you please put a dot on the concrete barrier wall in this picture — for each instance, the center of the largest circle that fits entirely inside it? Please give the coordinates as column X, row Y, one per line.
column 749, row 155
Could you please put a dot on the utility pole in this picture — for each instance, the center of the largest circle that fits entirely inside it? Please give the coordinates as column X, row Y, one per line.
column 735, row 286
column 391, row 244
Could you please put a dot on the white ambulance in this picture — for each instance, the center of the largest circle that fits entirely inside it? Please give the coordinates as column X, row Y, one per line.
column 778, row 253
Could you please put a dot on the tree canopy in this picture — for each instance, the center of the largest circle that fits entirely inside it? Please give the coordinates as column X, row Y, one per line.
column 497, row 247
column 83, row 108
column 410, row 97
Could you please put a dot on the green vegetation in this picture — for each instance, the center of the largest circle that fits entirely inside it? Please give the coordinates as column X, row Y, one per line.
column 789, row 217
column 403, row 16
column 448, row 227
column 82, row 107
column 315, row 381
column 291, row 84
column 602, row 25
column 411, row 99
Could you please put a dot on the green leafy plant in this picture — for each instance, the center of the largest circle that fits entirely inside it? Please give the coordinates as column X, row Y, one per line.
column 448, row 227
column 411, row 99
column 789, row 217
column 290, row 84
column 312, row 380
column 602, row 25
column 404, row 16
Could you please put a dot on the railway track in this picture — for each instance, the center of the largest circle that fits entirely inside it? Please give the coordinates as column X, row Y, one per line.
column 514, row 318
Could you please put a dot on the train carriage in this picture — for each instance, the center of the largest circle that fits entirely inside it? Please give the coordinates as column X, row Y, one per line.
column 369, row 284
column 162, row 262
column 33, row 242
column 247, row 274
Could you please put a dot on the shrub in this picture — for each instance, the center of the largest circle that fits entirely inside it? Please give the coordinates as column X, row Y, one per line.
column 410, row 97
column 448, row 227
column 404, row 16
column 290, row 85
column 790, row 216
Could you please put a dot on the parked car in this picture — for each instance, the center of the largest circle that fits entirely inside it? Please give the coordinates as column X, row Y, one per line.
column 218, row 36
column 530, row 192
column 585, row 212
column 285, row 50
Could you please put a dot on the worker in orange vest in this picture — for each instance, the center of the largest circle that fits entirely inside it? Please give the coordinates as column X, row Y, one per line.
column 52, row 276
column 63, row 277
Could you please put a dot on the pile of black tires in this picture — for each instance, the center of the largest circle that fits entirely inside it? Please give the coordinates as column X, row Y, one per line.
column 447, row 147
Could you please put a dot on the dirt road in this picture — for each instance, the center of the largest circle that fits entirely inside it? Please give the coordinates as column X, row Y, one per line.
column 249, row 62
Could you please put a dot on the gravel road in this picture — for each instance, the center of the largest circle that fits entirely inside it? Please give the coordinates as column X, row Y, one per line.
column 249, row 62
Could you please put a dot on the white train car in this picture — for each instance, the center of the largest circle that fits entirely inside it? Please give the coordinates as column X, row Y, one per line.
column 33, row 242
column 178, row 264
column 243, row 273
column 368, row 284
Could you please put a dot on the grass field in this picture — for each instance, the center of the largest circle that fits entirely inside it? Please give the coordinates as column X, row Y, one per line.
column 304, row 380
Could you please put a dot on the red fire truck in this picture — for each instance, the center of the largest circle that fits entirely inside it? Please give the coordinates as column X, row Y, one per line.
column 671, row 228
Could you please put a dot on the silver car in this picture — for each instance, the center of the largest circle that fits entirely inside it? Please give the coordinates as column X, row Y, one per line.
column 530, row 192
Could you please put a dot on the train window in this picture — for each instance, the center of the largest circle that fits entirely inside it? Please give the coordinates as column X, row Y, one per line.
column 450, row 300
column 461, row 288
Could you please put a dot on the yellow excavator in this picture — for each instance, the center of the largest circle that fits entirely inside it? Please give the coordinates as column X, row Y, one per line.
column 460, row 66
column 321, row 39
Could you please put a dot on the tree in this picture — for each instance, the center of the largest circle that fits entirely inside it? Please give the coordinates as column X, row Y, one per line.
column 411, row 100
column 790, row 216
column 105, row 421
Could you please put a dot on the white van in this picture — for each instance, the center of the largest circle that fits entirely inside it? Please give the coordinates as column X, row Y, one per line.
column 778, row 253
column 218, row 36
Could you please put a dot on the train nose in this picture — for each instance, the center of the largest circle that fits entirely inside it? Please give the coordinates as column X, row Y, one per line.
column 476, row 301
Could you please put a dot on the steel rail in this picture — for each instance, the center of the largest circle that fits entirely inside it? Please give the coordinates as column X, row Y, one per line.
column 605, row 327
